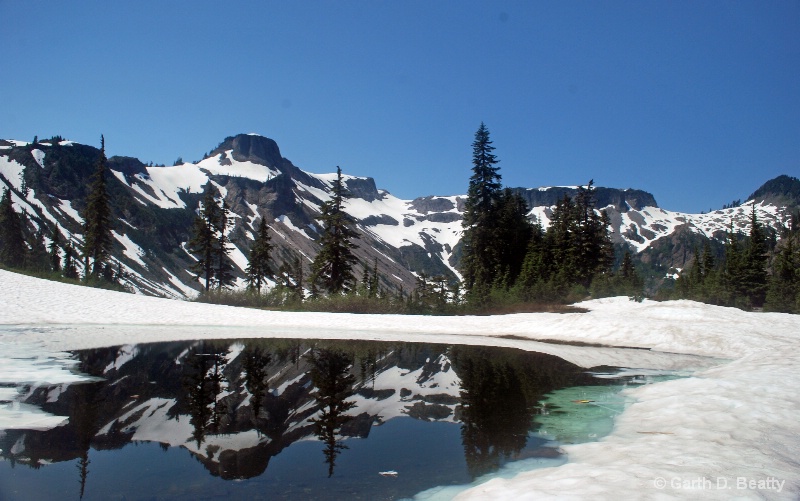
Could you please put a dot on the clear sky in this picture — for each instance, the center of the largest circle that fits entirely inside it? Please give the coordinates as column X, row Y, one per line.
column 697, row 102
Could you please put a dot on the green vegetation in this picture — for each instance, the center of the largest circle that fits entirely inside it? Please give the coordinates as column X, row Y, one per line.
column 332, row 269
column 210, row 245
column 97, row 236
column 509, row 264
column 507, row 259
column 742, row 278
column 23, row 247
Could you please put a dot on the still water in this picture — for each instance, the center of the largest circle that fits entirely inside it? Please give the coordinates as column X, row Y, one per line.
column 299, row 419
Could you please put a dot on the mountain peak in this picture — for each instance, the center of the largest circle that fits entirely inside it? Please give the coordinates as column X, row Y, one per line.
column 251, row 148
column 783, row 190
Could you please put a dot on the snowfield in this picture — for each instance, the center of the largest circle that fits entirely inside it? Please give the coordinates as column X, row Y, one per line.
column 732, row 430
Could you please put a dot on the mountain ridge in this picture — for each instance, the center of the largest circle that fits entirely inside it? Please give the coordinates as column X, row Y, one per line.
column 156, row 204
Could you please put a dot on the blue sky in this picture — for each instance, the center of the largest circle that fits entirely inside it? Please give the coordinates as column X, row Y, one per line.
column 697, row 102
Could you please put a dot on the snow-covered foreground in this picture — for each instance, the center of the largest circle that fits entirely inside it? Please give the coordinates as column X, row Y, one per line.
column 729, row 431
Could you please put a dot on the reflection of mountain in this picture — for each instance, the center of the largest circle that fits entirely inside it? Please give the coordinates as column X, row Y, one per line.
column 236, row 405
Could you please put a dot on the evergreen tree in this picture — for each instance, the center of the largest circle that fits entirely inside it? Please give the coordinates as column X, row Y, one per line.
column 203, row 244
column 783, row 293
column 12, row 240
column 37, row 258
column 374, row 281
column 479, row 260
column 259, row 267
column 592, row 250
column 754, row 272
column 54, row 250
column 513, row 231
column 363, row 288
column 290, row 278
column 731, row 282
column 224, row 267
column 98, row 239
column 333, row 265
column 535, row 267
column 70, row 270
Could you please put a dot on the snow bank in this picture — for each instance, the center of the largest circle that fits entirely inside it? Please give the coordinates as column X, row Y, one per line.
column 731, row 430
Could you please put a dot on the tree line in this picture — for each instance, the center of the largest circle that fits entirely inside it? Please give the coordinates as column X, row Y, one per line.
column 753, row 272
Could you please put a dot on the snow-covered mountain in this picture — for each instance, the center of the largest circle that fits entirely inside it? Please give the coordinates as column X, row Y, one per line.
column 156, row 206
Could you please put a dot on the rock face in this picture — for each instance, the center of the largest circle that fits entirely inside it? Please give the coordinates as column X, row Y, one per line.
column 622, row 200
column 252, row 148
column 155, row 208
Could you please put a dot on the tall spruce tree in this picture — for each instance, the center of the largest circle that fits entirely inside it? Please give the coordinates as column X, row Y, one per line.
column 333, row 266
column 592, row 250
column 290, row 279
column 12, row 240
column 513, row 231
column 70, row 256
column 55, row 250
column 37, row 258
column 259, row 267
column 754, row 272
column 479, row 261
column 98, row 239
column 732, row 287
column 783, row 292
column 203, row 245
column 224, row 266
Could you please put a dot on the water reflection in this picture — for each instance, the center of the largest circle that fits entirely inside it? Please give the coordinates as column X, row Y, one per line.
column 330, row 373
column 238, row 406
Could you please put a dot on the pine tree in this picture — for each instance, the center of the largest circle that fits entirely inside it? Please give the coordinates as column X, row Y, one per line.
column 374, row 281
column 224, row 267
column 54, row 250
column 259, row 267
column 479, row 261
column 98, row 239
column 731, row 282
column 513, row 231
column 333, row 266
column 37, row 258
column 754, row 272
column 203, row 244
column 12, row 240
column 290, row 277
column 783, row 293
column 535, row 270
column 363, row 288
column 592, row 250
column 70, row 270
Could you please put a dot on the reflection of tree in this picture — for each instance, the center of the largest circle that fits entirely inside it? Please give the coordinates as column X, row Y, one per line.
column 255, row 362
column 494, row 412
column 84, row 419
column 330, row 374
column 203, row 380
column 83, row 468
column 368, row 365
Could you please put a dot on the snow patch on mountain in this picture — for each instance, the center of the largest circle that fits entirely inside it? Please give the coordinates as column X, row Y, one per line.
column 132, row 251
column 38, row 155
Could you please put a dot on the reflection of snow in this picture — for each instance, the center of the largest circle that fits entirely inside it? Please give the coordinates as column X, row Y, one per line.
column 25, row 365
column 124, row 355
